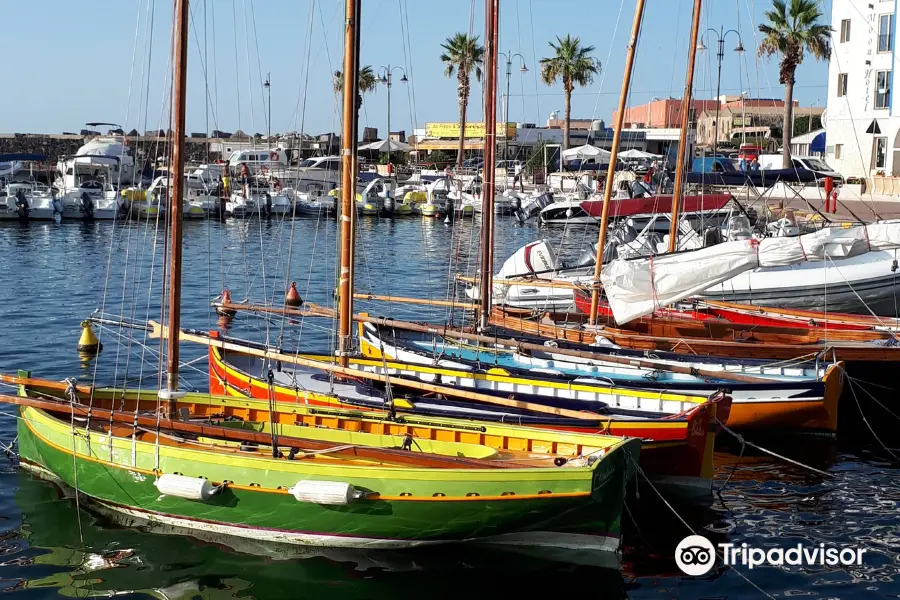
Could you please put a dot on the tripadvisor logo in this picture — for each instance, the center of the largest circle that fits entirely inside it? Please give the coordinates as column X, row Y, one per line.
column 695, row 555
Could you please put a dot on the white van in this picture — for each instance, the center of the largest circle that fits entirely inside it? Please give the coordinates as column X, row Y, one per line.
column 258, row 158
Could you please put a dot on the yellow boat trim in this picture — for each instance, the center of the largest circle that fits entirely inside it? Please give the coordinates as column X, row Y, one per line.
column 280, row 490
column 336, row 402
column 500, row 375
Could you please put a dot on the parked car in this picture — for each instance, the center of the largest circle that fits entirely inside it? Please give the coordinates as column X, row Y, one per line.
column 808, row 163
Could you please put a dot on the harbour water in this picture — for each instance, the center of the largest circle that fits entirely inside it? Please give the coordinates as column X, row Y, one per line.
column 53, row 276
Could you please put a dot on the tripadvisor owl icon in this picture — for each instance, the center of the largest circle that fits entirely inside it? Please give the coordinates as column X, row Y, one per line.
column 695, row 555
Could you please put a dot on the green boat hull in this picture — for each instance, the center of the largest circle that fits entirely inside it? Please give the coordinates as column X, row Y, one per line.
column 405, row 507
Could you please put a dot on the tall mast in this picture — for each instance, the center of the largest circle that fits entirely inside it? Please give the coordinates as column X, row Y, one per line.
column 686, row 102
column 348, row 177
column 176, row 196
column 355, row 169
column 491, row 33
column 611, row 171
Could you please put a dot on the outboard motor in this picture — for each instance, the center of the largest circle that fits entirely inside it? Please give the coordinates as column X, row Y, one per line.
column 623, row 234
column 87, row 206
column 57, row 206
column 268, row 205
column 588, row 257
column 22, row 208
column 533, row 206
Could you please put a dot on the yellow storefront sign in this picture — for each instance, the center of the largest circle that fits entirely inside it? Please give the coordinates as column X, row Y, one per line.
column 473, row 130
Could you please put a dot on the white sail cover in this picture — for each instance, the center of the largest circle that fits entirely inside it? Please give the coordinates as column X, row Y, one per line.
column 636, row 288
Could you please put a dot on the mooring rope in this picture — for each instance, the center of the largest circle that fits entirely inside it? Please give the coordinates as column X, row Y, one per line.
column 862, row 415
column 744, row 442
column 73, row 399
column 689, row 528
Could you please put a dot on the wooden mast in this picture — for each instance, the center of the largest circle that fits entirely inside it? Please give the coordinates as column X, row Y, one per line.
column 491, row 29
column 355, row 170
column 611, row 171
column 176, row 195
column 348, row 179
column 686, row 102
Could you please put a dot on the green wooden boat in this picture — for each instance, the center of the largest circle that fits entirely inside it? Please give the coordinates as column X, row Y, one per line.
column 520, row 486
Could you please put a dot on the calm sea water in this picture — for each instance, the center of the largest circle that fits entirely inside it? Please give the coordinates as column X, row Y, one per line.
column 54, row 275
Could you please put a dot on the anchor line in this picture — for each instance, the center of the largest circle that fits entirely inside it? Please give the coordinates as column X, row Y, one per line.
column 743, row 442
column 689, row 528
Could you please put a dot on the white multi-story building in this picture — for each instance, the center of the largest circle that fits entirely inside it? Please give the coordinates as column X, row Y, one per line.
column 863, row 117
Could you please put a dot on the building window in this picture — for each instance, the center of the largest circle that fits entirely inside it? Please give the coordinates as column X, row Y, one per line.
column 879, row 153
column 845, row 30
column 838, row 151
column 842, row 85
column 882, row 89
column 885, row 32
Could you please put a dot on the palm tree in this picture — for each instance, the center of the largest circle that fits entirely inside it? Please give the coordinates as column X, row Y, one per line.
column 463, row 56
column 790, row 32
column 572, row 64
column 367, row 83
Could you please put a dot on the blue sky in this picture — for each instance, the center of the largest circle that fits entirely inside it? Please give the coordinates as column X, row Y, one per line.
column 87, row 60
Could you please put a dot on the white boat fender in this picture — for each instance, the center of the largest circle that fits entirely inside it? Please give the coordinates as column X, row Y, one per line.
column 190, row 488
column 324, row 492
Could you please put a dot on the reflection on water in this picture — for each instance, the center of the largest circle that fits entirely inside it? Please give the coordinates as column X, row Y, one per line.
column 49, row 554
column 54, row 275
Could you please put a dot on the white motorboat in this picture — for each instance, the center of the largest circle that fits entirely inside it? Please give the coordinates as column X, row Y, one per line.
column 29, row 201
column 280, row 205
column 848, row 269
column 103, row 157
column 858, row 285
column 240, row 207
column 9, row 168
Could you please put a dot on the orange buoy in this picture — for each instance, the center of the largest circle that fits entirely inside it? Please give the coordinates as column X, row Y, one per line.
column 292, row 298
column 221, row 310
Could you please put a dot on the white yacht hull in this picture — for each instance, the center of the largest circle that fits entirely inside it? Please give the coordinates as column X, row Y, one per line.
column 859, row 284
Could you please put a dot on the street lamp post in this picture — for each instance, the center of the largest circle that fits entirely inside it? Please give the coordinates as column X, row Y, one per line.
column 522, row 69
column 268, row 86
column 385, row 77
column 720, row 38
column 744, row 95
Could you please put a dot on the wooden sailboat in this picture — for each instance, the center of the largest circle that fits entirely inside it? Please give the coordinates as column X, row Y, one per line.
column 217, row 471
column 808, row 402
column 565, row 328
column 748, row 314
column 258, row 470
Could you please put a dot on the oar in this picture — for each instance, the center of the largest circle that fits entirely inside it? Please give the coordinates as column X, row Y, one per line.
column 446, row 332
column 403, row 457
column 157, row 330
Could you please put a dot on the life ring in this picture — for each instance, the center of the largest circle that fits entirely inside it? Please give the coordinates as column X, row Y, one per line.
column 273, row 156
